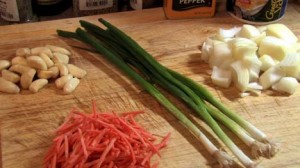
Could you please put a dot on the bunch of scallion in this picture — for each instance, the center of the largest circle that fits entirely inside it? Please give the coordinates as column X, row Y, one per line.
column 138, row 64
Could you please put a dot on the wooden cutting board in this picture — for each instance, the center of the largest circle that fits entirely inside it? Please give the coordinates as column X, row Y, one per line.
column 28, row 120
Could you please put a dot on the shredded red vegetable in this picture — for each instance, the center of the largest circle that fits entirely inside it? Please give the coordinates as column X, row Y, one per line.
column 105, row 140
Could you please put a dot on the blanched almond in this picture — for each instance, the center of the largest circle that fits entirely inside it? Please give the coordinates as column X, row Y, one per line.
column 10, row 76
column 27, row 78
column 47, row 60
column 4, row 64
column 23, row 52
column 59, row 49
column 45, row 74
column 60, row 82
column 20, row 69
column 39, row 50
column 19, row 60
column 71, row 85
column 36, row 62
column 63, row 70
column 8, row 87
column 76, row 71
column 38, row 84
column 55, row 71
column 60, row 58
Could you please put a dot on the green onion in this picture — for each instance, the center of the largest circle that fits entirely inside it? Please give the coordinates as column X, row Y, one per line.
column 161, row 72
column 222, row 157
column 205, row 94
column 223, row 118
column 131, row 58
column 258, row 148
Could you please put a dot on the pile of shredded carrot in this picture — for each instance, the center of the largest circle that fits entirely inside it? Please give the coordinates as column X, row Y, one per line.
column 105, row 140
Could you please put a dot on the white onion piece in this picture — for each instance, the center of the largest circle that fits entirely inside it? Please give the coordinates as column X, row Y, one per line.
column 221, row 77
column 241, row 41
column 244, row 94
column 259, row 38
column 206, row 50
column 291, row 64
column 229, row 33
column 255, row 92
column 248, row 31
column 241, row 51
column 221, row 51
column 262, row 28
column 267, row 62
column 281, row 31
column 253, row 75
column 254, row 86
column 253, row 64
column 240, row 75
column 286, row 84
column 275, row 47
column 271, row 76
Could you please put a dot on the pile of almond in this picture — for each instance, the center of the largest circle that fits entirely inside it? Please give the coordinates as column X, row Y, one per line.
column 32, row 68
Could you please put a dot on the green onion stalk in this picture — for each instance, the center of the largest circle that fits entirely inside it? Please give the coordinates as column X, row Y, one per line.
column 135, row 48
column 272, row 147
column 140, row 53
column 147, row 59
column 128, row 51
column 157, row 69
column 258, row 148
column 223, row 158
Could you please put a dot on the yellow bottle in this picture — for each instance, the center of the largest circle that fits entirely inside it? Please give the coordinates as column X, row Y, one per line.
column 178, row 9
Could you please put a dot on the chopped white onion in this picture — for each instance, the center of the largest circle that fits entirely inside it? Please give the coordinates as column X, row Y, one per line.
column 291, row 64
column 244, row 94
column 248, row 31
column 241, row 54
column 275, row 47
column 281, row 31
column 254, row 86
column 221, row 77
column 271, row 76
column 267, row 62
column 229, row 33
column 221, row 51
column 286, row 84
column 240, row 75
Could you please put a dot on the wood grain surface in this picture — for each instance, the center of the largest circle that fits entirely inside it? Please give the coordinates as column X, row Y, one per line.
column 28, row 120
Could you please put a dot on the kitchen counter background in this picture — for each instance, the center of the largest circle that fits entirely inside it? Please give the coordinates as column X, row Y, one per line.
column 71, row 12
column 68, row 13
column 28, row 120
column 221, row 6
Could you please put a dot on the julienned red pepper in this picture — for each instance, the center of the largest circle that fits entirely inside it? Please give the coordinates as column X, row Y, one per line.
column 102, row 140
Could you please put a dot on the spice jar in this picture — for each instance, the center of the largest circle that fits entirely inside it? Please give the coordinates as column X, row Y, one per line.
column 178, row 9
column 257, row 11
column 94, row 7
column 16, row 11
